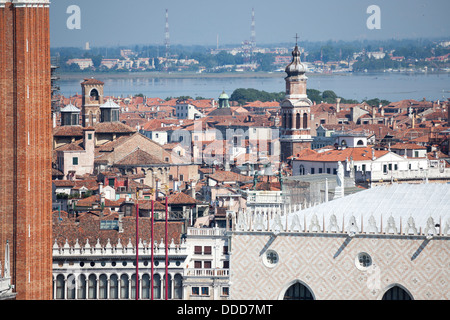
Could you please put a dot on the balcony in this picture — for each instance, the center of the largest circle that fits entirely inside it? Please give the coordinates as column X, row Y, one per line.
column 207, row 272
column 206, row 232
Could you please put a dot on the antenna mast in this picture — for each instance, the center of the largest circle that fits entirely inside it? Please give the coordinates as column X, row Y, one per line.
column 167, row 40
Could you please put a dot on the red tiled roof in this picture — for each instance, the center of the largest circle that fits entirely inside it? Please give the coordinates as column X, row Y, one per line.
column 181, row 198
column 358, row 154
column 68, row 131
column 229, row 176
column 402, row 146
column 92, row 81
column 113, row 127
column 139, row 158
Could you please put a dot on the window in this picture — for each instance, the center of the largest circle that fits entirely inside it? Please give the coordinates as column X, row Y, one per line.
column 205, row 291
column 60, row 287
column 113, row 287
column 197, row 264
column 195, row 291
column 298, row 292
column 363, row 261
column 226, row 264
column 75, row 161
column 225, row 291
column 225, row 249
column 396, row 293
column 207, row 250
column 270, row 258
column 207, row 264
column 198, row 249
column 89, row 136
column 312, row 171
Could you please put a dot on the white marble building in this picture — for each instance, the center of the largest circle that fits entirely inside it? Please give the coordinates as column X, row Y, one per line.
column 388, row 242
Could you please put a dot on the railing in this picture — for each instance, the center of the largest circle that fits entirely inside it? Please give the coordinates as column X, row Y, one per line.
column 207, row 272
column 119, row 249
column 431, row 173
column 207, row 232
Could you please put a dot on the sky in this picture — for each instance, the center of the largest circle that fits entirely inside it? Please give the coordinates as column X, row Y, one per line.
column 202, row 22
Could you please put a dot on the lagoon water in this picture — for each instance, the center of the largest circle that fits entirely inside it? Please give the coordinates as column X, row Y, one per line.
column 389, row 86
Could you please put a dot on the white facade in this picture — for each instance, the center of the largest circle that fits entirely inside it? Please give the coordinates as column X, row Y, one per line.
column 91, row 271
column 385, row 169
column 187, row 111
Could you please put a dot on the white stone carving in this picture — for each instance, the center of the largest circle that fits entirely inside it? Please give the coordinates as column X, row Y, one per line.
column 333, row 227
column 391, row 227
column 372, row 228
column 411, row 226
column 314, row 225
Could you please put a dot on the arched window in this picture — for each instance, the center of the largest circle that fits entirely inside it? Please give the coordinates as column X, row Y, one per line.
column 297, row 121
column 298, row 292
column 113, row 287
column 60, row 287
column 178, row 287
column 145, row 286
column 360, row 143
column 396, row 293
column 82, row 287
column 92, row 282
column 305, row 120
column 124, row 286
column 302, row 170
column 169, row 286
column 71, row 286
column 103, row 287
column 133, row 286
column 290, row 124
column 284, row 121
column 94, row 95
column 157, row 286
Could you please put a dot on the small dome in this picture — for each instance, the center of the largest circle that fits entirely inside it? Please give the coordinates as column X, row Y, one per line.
column 224, row 96
column 110, row 105
column 296, row 67
column 70, row 108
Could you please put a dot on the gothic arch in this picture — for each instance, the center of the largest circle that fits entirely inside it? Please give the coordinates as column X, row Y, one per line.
column 297, row 121
column 305, row 120
column 94, row 95
column 308, row 294
column 396, row 291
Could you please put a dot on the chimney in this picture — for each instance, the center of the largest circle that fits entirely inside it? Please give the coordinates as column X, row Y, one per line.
column 193, row 189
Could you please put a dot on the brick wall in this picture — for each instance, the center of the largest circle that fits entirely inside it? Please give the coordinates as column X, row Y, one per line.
column 25, row 169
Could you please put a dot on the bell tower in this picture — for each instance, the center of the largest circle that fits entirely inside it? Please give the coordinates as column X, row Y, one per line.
column 92, row 99
column 26, row 147
column 295, row 132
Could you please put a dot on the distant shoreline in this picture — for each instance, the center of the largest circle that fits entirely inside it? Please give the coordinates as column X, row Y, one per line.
column 127, row 75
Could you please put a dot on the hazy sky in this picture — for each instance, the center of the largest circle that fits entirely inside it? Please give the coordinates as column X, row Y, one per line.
column 113, row 22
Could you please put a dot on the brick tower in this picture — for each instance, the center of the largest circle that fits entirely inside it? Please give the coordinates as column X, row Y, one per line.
column 25, row 146
column 92, row 99
column 295, row 109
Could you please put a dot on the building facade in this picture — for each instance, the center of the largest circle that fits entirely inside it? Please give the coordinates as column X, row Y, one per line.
column 384, row 243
